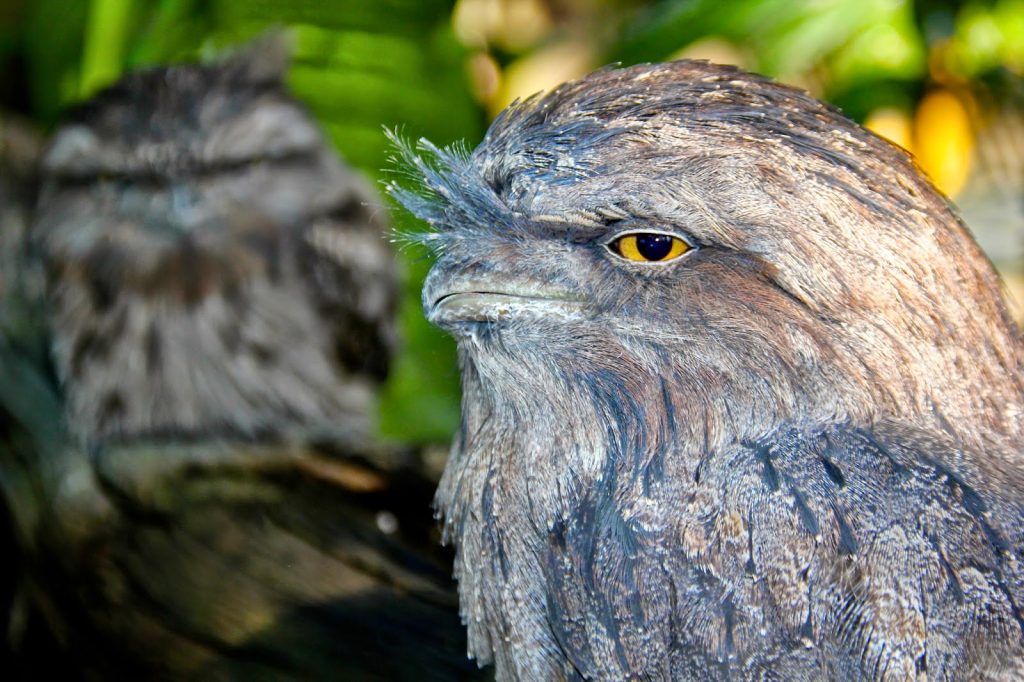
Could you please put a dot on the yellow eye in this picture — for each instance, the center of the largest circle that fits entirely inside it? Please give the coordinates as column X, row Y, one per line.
column 649, row 247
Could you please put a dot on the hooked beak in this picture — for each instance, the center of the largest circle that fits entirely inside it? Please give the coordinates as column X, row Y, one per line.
column 450, row 300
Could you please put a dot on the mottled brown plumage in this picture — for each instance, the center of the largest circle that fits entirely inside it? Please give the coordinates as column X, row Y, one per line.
column 194, row 224
column 792, row 453
column 192, row 485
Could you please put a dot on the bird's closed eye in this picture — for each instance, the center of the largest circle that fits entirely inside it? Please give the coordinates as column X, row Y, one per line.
column 649, row 247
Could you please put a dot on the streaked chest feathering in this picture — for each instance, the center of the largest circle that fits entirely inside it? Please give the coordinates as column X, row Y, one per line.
column 741, row 398
column 213, row 267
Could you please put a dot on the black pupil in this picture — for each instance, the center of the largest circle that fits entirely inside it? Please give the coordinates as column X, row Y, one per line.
column 653, row 246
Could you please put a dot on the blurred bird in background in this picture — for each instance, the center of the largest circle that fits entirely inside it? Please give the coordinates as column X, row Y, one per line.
column 213, row 268
column 194, row 332
column 741, row 398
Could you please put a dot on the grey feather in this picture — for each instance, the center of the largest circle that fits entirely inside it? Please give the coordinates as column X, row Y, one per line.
column 790, row 454
column 192, row 485
column 195, row 224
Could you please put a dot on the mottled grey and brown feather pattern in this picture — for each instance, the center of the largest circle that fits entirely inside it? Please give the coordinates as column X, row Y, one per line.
column 222, row 305
column 792, row 454
column 213, row 267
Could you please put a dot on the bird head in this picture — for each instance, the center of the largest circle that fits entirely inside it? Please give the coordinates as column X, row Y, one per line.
column 697, row 227
column 649, row 272
column 213, row 266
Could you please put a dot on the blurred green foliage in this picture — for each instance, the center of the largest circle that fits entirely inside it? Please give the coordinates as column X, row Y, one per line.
column 836, row 45
column 363, row 66
column 860, row 54
column 867, row 39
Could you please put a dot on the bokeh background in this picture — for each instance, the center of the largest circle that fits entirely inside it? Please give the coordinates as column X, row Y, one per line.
column 942, row 79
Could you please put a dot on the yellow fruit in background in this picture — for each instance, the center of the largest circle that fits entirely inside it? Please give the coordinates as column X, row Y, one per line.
column 943, row 140
column 543, row 70
column 893, row 124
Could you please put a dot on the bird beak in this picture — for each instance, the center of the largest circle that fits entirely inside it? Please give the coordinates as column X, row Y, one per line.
column 449, row 300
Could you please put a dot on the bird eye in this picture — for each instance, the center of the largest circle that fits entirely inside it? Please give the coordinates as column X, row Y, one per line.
column 649, row 247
